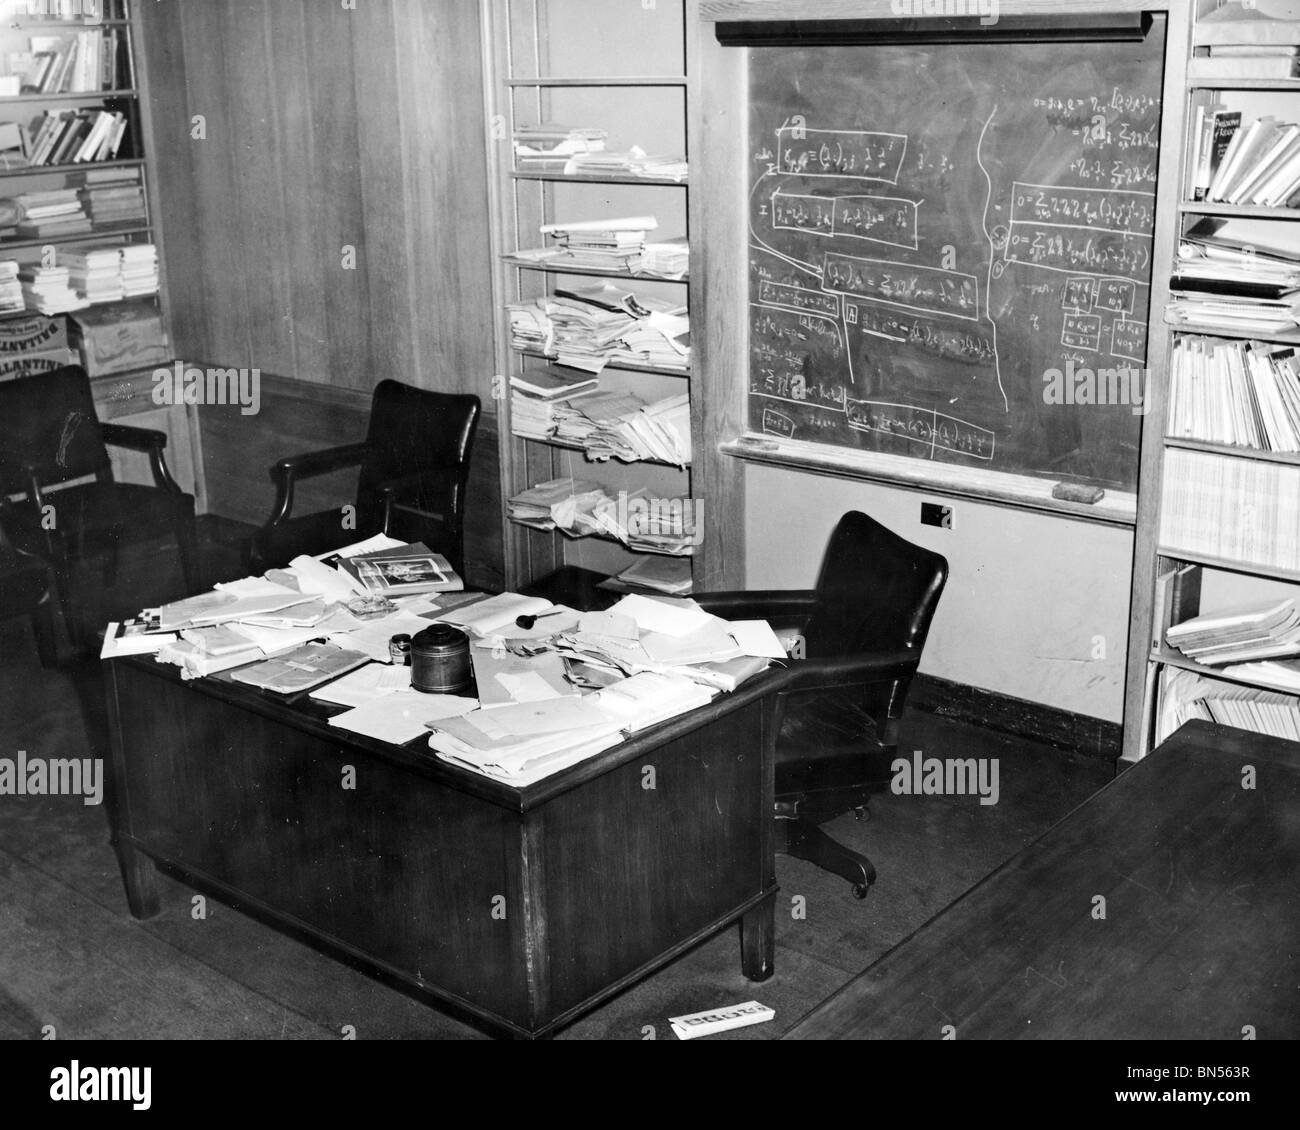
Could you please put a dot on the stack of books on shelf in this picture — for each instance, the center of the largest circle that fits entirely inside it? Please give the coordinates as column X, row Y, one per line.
column 580, row 508
column 112, row 196
column 1244, row 393
column 95, row 273
column 1230, row 282
column 1186, row 696
column 49, row 290
column 548, row 147
column 1239, row 635
column 48, row 215
column 1232, row 509
column 1253, row 162
column 604, row 245
column 67, row 137
column 140, row 275
column 11, row 289
column 589, row 327
column 669, row 259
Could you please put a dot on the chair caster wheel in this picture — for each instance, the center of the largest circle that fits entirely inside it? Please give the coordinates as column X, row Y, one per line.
column 862, row 813
column 860, row 890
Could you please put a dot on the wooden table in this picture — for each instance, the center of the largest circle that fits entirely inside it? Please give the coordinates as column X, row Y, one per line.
column 1201, row 934
column 516, row 908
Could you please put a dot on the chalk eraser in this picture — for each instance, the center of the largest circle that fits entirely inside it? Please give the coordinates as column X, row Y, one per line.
column 1075, row 492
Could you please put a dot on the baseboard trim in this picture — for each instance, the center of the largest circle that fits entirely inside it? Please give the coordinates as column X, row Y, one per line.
column 1072, row 733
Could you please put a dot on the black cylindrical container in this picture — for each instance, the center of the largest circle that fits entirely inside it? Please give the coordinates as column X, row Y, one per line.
column 440, row 660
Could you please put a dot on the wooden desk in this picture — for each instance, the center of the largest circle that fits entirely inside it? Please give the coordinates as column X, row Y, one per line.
column 1201, row 935
column 517, row 908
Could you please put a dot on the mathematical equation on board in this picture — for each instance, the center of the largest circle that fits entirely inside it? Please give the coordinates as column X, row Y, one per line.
column 842, row 223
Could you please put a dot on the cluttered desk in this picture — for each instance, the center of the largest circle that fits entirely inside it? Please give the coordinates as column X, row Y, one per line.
column 501, row 826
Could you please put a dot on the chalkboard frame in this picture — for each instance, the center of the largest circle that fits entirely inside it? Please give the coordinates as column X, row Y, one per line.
column 722, row 115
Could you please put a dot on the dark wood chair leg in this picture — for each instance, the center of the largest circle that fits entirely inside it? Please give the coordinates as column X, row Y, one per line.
column 63, row 591
column 188, row 543
column 758, row 941
column 805, row 840
column 140, row 878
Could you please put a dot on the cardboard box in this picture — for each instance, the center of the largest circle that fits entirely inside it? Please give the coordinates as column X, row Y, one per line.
column 34, row 333
column 27, row 364
column 120, row 337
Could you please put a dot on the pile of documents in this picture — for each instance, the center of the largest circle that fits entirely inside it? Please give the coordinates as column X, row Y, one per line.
column 588, row 328
column 95, row 273
column 671, row 575
column 670, row 259
column 605, row 245
column 582, row 509
column 549, row 148
column 11, row 289
column 633, row 163
column 622, row 426
column 53, row 212
column 139, row 270
column 1240, row 635
column 1234, row 283
column 49, row 290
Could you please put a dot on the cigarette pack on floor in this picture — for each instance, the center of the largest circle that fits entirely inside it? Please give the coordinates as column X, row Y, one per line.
column 717, row 1020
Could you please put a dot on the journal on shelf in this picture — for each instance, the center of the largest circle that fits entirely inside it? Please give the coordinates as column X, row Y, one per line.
column 1243, row 393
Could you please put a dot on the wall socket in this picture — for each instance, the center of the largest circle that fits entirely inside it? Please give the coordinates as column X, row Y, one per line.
column 932, row 514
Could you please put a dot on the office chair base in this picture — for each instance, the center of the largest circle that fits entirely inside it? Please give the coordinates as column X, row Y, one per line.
column 805, row 840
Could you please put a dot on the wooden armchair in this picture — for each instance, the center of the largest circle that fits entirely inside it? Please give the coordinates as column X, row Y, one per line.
column 414, row 466
column 862, row 630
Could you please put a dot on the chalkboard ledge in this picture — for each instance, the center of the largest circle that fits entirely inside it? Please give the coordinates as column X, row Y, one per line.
column 1117, row 508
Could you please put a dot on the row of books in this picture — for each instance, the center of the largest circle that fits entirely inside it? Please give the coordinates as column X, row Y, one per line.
column 1237, row 162
column 609, row 425
column 1186, row 696
column 1245, row 393
column 1230, row 281
column 81, row 63
column 582, row 151
column 580, row 508
column 1225, row 508
column 82, row 276
column 77, row 136
column 590, row 327
column 1239, row 635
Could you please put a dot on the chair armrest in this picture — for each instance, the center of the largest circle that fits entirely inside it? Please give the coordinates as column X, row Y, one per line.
column 795, row 605
column 414, row 483
column 852, row 670
column 309, row 465
column 148, row 440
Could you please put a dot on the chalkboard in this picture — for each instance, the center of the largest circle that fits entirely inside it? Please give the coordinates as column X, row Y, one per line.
column 950, row 251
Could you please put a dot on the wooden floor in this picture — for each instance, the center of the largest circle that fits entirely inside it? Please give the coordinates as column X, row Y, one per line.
column 72, row 958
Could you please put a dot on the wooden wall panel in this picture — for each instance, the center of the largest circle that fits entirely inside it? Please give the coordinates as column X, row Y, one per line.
column 326, row 127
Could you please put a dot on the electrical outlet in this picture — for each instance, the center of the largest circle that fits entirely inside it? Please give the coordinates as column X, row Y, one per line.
column 932, row 514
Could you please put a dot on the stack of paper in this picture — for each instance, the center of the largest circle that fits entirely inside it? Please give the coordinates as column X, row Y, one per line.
column 139, row 270
column 548, row 147
column 11, row 290
column 610, row 245
column 553, row 503
column 635, row 162
column 670, row 259
column 96, row 273
column 49, row 290
column 1239, row 635
column 671, row 575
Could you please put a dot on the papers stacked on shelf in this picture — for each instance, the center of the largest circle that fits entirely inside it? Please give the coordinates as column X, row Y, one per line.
column 582, row 509
column 607, row 245
column 139, row 270
column 1239, row 635
column 622, row 426
column 1235, row 392
column 670, row 259
column 1186, row 696
column 633, row 163
column 1234, row 283
column 11, row 289
column 549, row 147
column 49, row 290
column 95, row 273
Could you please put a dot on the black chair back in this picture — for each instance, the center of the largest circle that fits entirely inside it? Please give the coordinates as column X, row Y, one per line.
column 49, row 430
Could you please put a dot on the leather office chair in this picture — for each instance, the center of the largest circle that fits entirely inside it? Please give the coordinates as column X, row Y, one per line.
column 52, row 436
column 25, row 590
column 863, row 628
column 414, row 465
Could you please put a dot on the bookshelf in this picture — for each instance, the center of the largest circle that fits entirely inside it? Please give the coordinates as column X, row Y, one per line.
column 1219, row 522
column 541, row 68
column 74, row 119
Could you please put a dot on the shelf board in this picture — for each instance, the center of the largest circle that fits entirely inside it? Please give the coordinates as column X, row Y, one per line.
column 599, row 80
column 1290, row 337
column 596, row 463
column 140, row 299
column 556, row 268
column 1284, row 84
column 605, row 537
column 1171, row 658
column 77, row 237
column 79, row 96
column 1235, row 451
column 1246, row 211
column 1250, row 568
column 622, row 366
column 82, row 166
column 602, row 178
